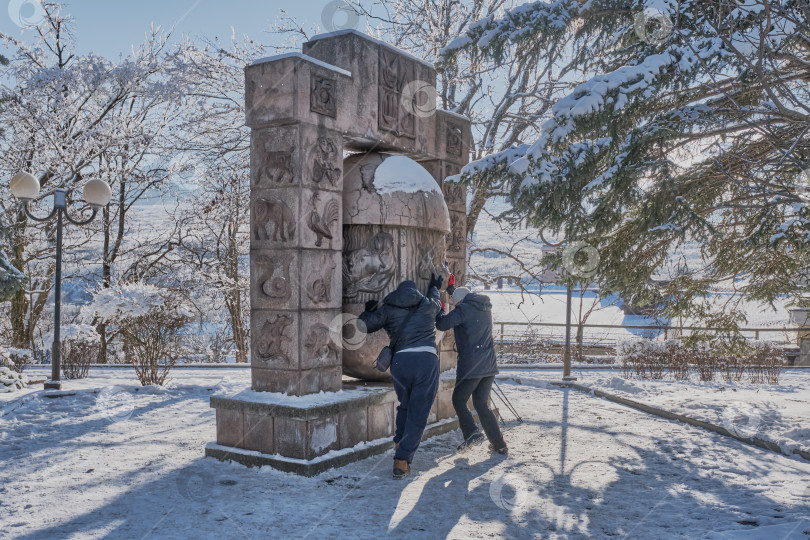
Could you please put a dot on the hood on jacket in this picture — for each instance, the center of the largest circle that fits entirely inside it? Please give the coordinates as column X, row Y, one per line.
column 478, row 301
column 406, row 295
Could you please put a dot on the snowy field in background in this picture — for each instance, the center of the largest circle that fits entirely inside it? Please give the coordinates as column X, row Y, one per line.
column 129, row 464
column 513, row 306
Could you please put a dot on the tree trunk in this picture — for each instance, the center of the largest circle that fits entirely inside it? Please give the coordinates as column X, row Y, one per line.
column 479, row 199
column 234, row 303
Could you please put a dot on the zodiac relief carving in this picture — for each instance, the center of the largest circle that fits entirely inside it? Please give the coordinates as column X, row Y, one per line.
column 319, row 283
column 395, row 72
column 324, row 163
column 453, row 193
column 371, row 268
column 271, row 340
column 321, row 223
column 454, row 139
column 273, row 215
column 455, row 240
column 321, row 346
column 390, row 70
column 389, row 109
column 323, row 95
column 277, row 165
column 274, row 275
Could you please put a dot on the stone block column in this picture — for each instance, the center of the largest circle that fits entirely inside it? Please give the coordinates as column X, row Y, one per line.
column 296, row 221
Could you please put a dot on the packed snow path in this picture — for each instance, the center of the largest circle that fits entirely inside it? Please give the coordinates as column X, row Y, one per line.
column 129, row 465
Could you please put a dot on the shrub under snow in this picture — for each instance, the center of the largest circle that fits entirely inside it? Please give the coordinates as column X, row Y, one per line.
column 10, row 379
column 16, row 359
column 80, row 345
column 149, row 319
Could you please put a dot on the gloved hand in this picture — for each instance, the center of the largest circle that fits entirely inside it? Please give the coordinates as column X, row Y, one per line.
column 435, row 281
column 451, row 284
column 371, row 305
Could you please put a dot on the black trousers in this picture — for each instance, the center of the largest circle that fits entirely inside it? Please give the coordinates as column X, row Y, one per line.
column 479, row 389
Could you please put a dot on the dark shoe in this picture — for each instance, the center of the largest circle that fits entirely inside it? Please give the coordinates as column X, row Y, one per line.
column 401, row 469
column 503, row 450
column 474, row 439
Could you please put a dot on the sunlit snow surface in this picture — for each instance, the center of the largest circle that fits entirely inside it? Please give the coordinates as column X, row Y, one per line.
column 110, row 462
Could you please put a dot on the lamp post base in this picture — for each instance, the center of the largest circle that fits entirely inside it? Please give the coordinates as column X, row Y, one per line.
column 569, row 378
column 53, row 385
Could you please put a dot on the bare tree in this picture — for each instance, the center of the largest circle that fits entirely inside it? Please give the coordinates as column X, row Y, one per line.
column 71, row 117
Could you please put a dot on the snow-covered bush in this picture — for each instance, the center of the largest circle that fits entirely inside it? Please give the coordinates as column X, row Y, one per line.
column 80, row 343
column 765, row 364
column 16, row 359
column 207, row 348
column 11, row 380
column 149, row 320
column 762, row 362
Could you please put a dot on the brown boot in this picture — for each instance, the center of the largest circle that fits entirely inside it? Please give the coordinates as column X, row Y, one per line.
column 401, row 469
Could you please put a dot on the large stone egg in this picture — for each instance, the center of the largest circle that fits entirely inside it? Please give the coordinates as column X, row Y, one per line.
column 395, row 222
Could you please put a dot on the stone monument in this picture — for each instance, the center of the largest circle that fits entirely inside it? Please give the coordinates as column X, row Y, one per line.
column 329, row 233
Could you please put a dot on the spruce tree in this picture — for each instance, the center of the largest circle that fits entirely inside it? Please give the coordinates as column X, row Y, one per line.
column 691, row 137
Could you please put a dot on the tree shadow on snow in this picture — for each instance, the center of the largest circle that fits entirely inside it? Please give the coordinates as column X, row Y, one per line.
column 559, row 484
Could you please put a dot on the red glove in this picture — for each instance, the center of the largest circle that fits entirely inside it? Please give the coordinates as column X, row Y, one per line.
column 442, row 305
column 451, row 280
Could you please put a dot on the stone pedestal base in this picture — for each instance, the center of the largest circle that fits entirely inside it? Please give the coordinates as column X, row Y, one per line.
column 310, row 434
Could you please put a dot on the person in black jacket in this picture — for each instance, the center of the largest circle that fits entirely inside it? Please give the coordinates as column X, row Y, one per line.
column 409, row 319
column 472, row 320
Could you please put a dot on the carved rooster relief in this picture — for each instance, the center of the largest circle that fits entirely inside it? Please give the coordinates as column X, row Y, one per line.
column 321, row 223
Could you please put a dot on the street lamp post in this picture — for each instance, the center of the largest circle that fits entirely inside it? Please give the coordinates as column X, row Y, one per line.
column 97, row 194
column 567, row 352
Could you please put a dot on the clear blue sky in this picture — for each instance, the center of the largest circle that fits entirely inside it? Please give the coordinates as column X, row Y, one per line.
column 110, row 27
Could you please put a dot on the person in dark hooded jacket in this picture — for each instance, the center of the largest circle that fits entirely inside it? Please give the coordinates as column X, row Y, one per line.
column 471, row 320
column 409, row 319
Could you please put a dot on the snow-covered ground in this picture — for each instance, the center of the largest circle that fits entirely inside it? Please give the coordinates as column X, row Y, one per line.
column 775, row 413
column 113, row 462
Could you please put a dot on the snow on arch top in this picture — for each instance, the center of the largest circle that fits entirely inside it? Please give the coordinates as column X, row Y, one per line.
column 385, row 189
column 400, row 173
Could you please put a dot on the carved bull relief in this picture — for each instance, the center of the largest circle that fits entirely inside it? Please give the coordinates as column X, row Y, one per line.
column 273, row 219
